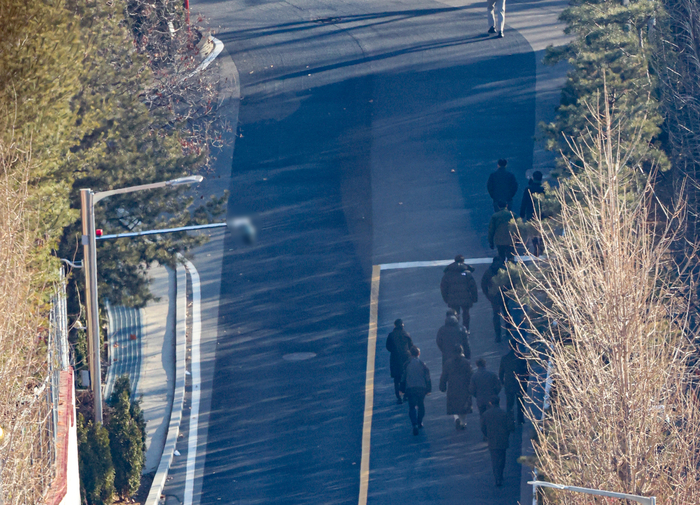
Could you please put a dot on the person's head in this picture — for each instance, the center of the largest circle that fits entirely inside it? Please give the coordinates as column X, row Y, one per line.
column 480, row 363
column 398, row 323
column 415, row 352
column 452, row 321
column 458, row 351
column 537, row 176
column 501, row 204
column 494, row 401
column 502, row 163
column 459, row 259
column 450, row 312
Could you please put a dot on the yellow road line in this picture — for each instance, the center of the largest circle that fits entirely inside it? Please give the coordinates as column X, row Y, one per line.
column 369, row 384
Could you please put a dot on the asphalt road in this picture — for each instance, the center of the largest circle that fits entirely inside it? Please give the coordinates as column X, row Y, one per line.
column 366, row 133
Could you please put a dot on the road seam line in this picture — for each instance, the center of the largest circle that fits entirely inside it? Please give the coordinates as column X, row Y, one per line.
column 369, row 384
column 196, row 382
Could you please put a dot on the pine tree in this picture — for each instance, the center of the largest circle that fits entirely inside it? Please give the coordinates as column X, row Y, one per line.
column 609, row 49
column 95, row 461
column 126, row 438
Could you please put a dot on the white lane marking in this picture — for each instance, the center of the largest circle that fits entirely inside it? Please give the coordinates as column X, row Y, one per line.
column 369, row 385
column 440, row 263
column 195, row 377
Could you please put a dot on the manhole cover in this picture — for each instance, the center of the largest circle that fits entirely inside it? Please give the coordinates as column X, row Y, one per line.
column 299, row 356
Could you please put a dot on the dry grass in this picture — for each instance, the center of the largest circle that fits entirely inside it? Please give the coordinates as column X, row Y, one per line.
column 624, row 413
column 24, row 450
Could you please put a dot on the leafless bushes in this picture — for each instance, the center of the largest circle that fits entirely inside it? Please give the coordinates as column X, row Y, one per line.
column 180, row 97
column 25, row 452
column 624, row 413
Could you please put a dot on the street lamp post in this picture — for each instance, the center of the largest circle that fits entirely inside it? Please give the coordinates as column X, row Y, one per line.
column 88, row 199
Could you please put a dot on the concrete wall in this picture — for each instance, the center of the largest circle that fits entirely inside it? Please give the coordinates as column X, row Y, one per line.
column 65, row 489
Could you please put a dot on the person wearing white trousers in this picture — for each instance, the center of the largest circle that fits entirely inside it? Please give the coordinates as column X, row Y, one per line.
column 491, row 8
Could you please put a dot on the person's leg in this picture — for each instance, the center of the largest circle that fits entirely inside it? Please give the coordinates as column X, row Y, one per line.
column 412, row 407
column 397, row 382
column 465, row 317
column 502, row 12
column 491, row 8
column 463, row 420
column 510, row 402
column 495, row 462
column 420, row 401
column 496, row 306
column 500, row 466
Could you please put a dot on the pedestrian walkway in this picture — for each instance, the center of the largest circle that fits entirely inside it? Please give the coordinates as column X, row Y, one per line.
column 124, row 346
column 440, row 454
column 142, row 346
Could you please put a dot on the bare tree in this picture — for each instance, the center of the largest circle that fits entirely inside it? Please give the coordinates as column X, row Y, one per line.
column 624, row 412
column 25, row 446
column 183, row 94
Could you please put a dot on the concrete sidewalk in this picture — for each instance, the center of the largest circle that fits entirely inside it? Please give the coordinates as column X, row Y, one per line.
column 157, row 372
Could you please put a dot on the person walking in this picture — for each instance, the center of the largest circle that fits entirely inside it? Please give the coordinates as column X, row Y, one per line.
column 484, row 385
column 514, row 376
column 455, row 379
column 491, row 9
column 494, row 294
column 496, row 427
column 499, row 231
column 399, row 344
column 502, row 185
column 416, row 384
column 452, row 335
column 530, row 208
column 458, row 288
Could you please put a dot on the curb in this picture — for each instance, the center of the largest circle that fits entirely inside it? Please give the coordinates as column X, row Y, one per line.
column 179, row 395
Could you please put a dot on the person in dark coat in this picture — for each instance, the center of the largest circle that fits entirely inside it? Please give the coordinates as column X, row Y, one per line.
column 458, row 288
column 496, row 427
column 451, row 335
column 494, row 294
column 484, row 385
column 502, row 185
column 455, row 379
column 514, row 376
column 529, row 207
column 499, row 231
column 416, row 384
column 399, row 344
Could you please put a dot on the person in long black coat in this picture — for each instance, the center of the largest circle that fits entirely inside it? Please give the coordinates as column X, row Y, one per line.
column 496, row 427
column 514, row 376
column 451, row 335
column 455, row 379
column 484, row 385
column 458, row 288
column 399, row 344
column 502, row 185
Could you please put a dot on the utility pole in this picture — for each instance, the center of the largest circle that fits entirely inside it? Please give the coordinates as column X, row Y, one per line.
column 87, row 214
column 88, row 199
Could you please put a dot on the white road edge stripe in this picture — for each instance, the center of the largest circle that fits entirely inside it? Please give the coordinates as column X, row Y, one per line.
column 196, row 383
column 440, row 263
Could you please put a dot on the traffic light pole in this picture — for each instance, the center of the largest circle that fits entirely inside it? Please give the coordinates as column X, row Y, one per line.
column 87, row 211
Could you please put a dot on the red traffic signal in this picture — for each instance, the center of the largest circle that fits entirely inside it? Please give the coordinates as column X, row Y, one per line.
column 98, row 232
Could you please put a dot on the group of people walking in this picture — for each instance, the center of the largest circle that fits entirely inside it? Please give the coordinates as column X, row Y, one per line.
column 462, row 385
